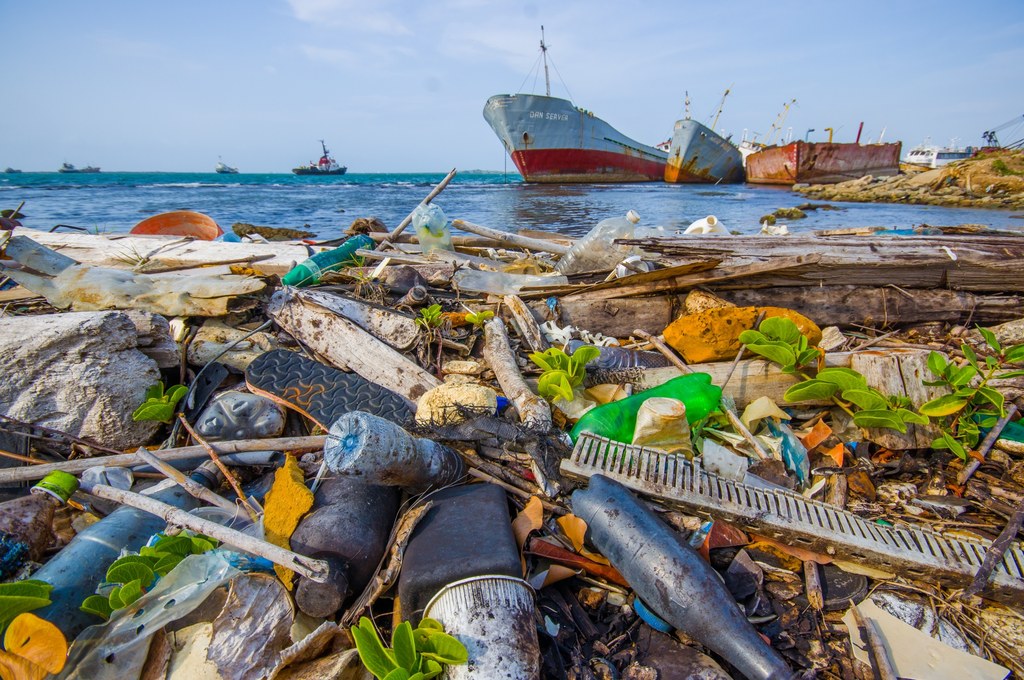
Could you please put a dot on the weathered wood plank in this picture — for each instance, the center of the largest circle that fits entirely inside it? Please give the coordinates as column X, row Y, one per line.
column 348, row 346
column 616, row 318
column 397, row 329
column 899, row 373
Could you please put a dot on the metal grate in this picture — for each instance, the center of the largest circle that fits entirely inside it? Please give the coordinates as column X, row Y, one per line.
column 911, row 551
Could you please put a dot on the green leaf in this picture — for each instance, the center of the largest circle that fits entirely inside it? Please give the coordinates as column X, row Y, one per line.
column 445, row 649
column 1014, row 354
column 166, row 563
column 963, row 376
column 371, row 649
column 908, row 416
column 969, row 353
column 845, row 378
column 154, row 393
column 20, row 597
column 811, row 390
column 753, row 337
column 175, row 394
column 98, row 605
column 779, row 352
column 954, row 446
column 404, row 646
column 397, row 674
column 1010, row 374
column 879, row 418
column 937, row 363
column 943, row 406
column 807, row 356
column 130, row 592
column 432, row 669
column 867, row 399
column 131, row 568
column 154, row 410
column 990, row 338
column 780, row 328
column 115, row 598
column 994, row 397
column 555, row 384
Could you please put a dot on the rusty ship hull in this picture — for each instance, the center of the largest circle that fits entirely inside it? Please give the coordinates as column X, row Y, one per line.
column 551, row 140
column 700, row 155
column 822, row 163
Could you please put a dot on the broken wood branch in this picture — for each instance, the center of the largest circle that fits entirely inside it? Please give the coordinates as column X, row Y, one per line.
column 533, row 411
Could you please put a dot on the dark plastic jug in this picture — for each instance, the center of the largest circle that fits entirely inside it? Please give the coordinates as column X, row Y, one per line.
column 349, row 527
column 467, row 533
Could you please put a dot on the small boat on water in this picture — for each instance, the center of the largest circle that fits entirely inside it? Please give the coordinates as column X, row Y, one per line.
column 68, row 168
column 10, row 170
column 553, row 140
column 325, row 166
column 699, row 154
column 822, row 162
column 931, row 156
column 224, row 169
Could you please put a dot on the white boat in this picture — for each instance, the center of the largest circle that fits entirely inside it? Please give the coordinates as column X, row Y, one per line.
column 931, row 156
column 225, row 169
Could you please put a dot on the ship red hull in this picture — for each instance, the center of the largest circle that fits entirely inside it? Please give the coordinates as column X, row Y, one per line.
column 580, row 165
column 822, row 163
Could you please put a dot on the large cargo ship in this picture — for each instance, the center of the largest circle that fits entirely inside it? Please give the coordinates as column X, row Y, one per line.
column 822, row 162
column 552, row 140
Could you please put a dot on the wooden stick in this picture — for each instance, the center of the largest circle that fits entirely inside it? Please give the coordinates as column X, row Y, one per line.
column 665, row 350
column 408, row 218
column 510, row 239
column 316, row 570
column 995, row 552
column 77, row 440
column 23, row 459
column 746, row 433
column 252, row 259
column 527, row 326
column 986, row 445
column 297, row 444
column 483, row 476
column 223, row 468
column 812, row 584
column 533, row 411
column 881, row 666
column 194, row 489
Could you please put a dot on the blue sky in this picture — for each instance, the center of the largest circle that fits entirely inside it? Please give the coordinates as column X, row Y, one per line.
column 399, row 86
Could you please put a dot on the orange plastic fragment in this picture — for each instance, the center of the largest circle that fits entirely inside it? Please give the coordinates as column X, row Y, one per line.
column 286, row 503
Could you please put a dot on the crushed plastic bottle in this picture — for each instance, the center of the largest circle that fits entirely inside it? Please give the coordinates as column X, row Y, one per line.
column 312, row 270
column 26, row 523
column 503, row 283
column 707, row 225
column 432, row 230
column 595, row 251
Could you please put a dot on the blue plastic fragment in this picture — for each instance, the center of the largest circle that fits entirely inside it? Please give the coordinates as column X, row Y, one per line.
column 650, row 618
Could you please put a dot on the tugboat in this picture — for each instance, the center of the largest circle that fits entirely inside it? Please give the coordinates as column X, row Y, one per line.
column 223, row 169
column 67, row 167
column 325, row 166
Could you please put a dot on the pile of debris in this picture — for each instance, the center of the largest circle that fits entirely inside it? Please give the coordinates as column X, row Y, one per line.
column 513, row 455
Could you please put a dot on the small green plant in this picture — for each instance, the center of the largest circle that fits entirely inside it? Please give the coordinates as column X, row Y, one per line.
column 779, row 340
column 1000, row 167
column 430, row 317
column 133, row 575
column 971, row 404
column 159, row 405
column 562, row 372
column 478, row 319
column 414, row 654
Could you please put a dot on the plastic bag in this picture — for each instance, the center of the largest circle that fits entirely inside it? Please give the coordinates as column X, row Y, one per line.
column 432, row 230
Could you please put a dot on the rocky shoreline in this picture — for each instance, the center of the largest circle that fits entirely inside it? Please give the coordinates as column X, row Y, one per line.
column 990, row 180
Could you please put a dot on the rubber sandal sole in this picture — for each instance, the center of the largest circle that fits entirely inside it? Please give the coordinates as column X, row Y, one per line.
column 321, row 392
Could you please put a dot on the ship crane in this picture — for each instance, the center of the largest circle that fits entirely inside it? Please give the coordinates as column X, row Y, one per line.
column 990, row 135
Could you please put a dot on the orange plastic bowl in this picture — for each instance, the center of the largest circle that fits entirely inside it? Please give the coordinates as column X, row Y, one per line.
column 180, row 223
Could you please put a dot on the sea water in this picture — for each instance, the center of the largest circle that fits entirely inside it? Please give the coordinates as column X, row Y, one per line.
column 113, row 202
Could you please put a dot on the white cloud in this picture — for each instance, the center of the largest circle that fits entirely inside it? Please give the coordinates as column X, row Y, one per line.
column 381, row 17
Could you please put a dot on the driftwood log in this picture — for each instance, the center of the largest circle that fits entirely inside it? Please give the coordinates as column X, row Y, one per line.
column 533, row 411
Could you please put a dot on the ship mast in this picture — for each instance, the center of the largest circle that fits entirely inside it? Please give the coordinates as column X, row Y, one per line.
column 777, row 125
column 686, row 105
column 544, row 53
column 721, row 104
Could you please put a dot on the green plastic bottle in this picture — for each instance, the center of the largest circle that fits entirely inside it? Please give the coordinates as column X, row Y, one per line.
column 309, row 272
column 617, row 420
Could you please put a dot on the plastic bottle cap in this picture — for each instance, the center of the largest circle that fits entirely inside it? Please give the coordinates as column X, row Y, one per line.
column 60, row 485
column 632, row 216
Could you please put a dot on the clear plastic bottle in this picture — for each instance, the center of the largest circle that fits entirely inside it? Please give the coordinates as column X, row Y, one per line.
column 432, row 230
column 310, row 271
column 503, row 283
column 595, row 252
